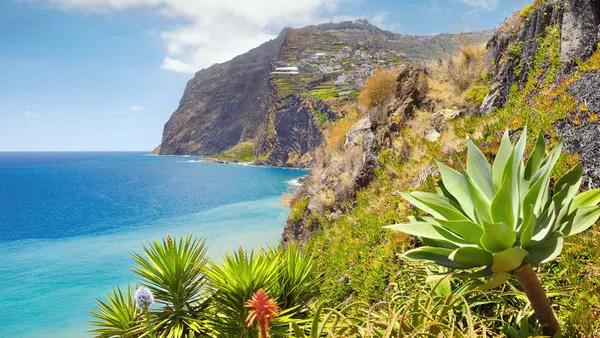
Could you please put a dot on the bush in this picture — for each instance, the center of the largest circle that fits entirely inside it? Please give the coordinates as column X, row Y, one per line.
column 475, row 95
column 451, row 77
column 378, row 89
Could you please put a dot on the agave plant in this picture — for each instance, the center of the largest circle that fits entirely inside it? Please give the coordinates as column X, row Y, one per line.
column 504, row 218
column 173, row 271
column 117, row 315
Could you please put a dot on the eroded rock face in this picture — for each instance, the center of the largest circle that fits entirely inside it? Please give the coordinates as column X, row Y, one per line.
column 586, row 90
column 583, row 139
column 296, row 134
column 354, row 168
column 578, row 22
column 222, row 105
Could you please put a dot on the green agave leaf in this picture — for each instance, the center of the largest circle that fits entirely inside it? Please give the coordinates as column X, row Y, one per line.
column 502, row 205
column 501, row 160
column 545, row 223
column 545, row 251
column 536, row 157
column 472, row 257
column 470, row 231
column 436, row 205
column 456, row 184
column 438, row 243
column 509, row 259
column 581, row 220
column 480, row 170
column 480, row 201
column 497, row 237
column 585, row 199
column 567, row 186
column 434, row 255
column 528, row 227
column 496, row 281
column 538, row 193
column 427, row 230
column 519, row 185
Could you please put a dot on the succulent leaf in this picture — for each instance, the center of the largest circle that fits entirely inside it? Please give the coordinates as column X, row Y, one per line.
column 535, row 159
column 508, row 260
column 470, row 231
column 528, row 228
column 545, row 251
column 472, row 257
column 456, row 184
column 436, row 205
column 480, row 170
column 434, row 255
column 497, row 237
column 504, row 152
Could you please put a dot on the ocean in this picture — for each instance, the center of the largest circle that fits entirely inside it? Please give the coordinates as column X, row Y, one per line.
column 70, row 221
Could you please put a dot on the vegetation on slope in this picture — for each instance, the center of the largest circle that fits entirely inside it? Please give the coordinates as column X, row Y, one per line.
column 242, row 152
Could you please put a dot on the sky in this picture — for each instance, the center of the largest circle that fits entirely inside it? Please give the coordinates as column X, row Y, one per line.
column 105, row 75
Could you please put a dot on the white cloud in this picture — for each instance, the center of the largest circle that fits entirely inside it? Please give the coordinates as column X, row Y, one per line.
column 137, row 108
column 28, row 114
column 214, row 30
column 487, row 5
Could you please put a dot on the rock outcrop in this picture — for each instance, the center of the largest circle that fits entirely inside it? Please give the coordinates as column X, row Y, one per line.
column 514, row 46
column 330, row 186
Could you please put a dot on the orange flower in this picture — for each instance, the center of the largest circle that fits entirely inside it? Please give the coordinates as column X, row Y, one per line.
column 263, row 310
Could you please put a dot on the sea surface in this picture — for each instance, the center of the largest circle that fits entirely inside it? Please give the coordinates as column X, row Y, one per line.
column 70, row 221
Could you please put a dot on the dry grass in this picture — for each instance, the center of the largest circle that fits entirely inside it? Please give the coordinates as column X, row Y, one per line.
column 452, row 77
column 378, row 89
column 337, row 134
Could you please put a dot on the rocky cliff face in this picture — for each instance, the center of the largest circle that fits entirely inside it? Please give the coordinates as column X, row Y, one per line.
column 515, row 46
column 283, row 113
column 223, row 105
column 568, row 32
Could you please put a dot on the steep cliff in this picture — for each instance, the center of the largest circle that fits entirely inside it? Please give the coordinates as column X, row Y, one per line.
column 278, row 96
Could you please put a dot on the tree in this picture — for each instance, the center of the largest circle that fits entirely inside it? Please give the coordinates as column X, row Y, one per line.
column 502, row 219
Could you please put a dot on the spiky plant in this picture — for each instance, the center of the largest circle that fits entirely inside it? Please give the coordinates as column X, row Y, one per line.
column 117, row 315
column 234, row 281
column 298, row 283
column 173, row 271
column 504, row 218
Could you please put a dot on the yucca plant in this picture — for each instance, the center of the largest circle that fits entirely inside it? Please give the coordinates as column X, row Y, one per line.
column 234, row 281
column 298, row 283
column 504, row 218
column 173, row 271
column 117, row 315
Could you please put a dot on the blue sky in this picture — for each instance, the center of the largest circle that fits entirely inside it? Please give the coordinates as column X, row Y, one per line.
column 107, row 74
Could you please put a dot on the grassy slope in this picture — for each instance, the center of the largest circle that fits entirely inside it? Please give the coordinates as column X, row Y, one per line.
column 242, row 152
column 360, row 259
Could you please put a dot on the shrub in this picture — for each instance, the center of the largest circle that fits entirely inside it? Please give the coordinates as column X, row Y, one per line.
column 451, row 77
column 286, row 275
column 172, row 270
column 502, row 219
column 117, row 316
column 476, row 94
column 379, row 88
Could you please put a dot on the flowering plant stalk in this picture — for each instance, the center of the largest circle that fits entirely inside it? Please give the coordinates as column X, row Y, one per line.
column 263, row 310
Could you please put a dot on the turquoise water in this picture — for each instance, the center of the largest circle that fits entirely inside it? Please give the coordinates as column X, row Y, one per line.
column 70, row 221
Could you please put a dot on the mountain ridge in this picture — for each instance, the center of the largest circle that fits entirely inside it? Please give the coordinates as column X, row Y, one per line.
column 281, row 95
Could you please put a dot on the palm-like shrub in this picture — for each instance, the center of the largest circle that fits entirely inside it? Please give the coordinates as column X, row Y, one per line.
column 503, row 218
column 117, row 316
column 234, row 281
column 298, row 285
column 173, row 271
column 287, row 275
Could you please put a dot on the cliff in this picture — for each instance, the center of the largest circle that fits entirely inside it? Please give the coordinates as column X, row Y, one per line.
column 281, row 96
